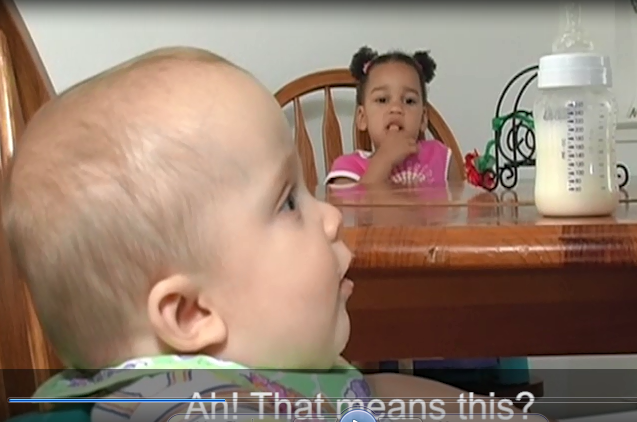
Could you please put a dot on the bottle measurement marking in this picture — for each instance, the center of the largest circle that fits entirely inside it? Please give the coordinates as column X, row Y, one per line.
column 575, row 145
column 602, row 147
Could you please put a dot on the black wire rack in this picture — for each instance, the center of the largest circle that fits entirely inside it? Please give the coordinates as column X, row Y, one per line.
column 514, row 148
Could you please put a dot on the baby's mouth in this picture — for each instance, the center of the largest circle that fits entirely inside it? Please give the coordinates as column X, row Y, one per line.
column 394, row 127
column 347, row 285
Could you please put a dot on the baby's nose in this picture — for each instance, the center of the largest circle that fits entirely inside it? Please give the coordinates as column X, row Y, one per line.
column 332, row 221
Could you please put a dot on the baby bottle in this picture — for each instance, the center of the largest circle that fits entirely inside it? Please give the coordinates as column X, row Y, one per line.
column 575, row 123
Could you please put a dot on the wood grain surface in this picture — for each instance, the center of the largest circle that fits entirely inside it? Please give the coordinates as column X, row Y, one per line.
column 24, row 88
column 462, row 227
column 460, row 272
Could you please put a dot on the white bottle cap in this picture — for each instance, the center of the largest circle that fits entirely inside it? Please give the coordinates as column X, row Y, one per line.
column 574, row 69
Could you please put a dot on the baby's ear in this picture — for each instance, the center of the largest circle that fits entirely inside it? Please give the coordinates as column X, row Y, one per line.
column 182, row 317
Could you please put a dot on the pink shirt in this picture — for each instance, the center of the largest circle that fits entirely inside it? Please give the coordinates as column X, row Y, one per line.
column 429, row 166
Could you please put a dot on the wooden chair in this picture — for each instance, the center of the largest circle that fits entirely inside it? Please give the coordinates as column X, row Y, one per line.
column 327, row 80
column 25, row 356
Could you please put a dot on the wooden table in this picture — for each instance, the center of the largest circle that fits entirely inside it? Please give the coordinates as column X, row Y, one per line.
column 461, row 272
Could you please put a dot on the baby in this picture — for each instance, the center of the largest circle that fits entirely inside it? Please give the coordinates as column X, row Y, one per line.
column 159, row 215
column 391, row 98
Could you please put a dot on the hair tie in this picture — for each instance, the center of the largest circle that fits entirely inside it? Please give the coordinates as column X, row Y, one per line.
column 366, row 67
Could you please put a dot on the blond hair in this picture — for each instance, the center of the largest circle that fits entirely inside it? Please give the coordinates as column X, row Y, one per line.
column 98, row 209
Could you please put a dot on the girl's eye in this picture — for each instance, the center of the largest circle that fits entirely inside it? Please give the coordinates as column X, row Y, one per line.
column 381, row 100
column 411, row 101
column 290, row 204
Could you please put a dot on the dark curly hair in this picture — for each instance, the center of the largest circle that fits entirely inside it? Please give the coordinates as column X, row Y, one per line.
column 366, row 59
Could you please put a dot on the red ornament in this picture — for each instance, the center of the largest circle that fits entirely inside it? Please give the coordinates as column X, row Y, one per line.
column 483, row 180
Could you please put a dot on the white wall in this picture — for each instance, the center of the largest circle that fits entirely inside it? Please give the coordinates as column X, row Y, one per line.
column 478, row 48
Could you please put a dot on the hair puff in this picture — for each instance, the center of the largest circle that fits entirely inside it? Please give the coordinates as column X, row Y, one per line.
column 427, row 64
column 363, row 56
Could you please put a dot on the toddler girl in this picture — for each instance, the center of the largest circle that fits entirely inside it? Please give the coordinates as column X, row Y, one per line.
column 391, row 99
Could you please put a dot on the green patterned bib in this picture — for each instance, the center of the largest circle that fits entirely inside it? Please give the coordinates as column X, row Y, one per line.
column 342, row 382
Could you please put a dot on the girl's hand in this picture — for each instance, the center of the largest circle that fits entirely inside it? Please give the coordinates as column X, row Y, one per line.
column 391, row 152
column 397, row 146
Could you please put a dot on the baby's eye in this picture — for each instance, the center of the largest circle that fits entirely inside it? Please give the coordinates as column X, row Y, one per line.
column 411, row 101
column 290, row 204
column 381, row 100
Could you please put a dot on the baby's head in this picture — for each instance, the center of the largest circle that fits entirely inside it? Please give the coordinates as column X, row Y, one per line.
column 391, row 91
column 160, row 208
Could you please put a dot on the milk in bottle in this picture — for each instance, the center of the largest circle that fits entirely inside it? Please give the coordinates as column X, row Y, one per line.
column 575, row 123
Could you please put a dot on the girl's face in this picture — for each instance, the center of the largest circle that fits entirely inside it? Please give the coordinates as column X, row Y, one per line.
column 392, row 101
